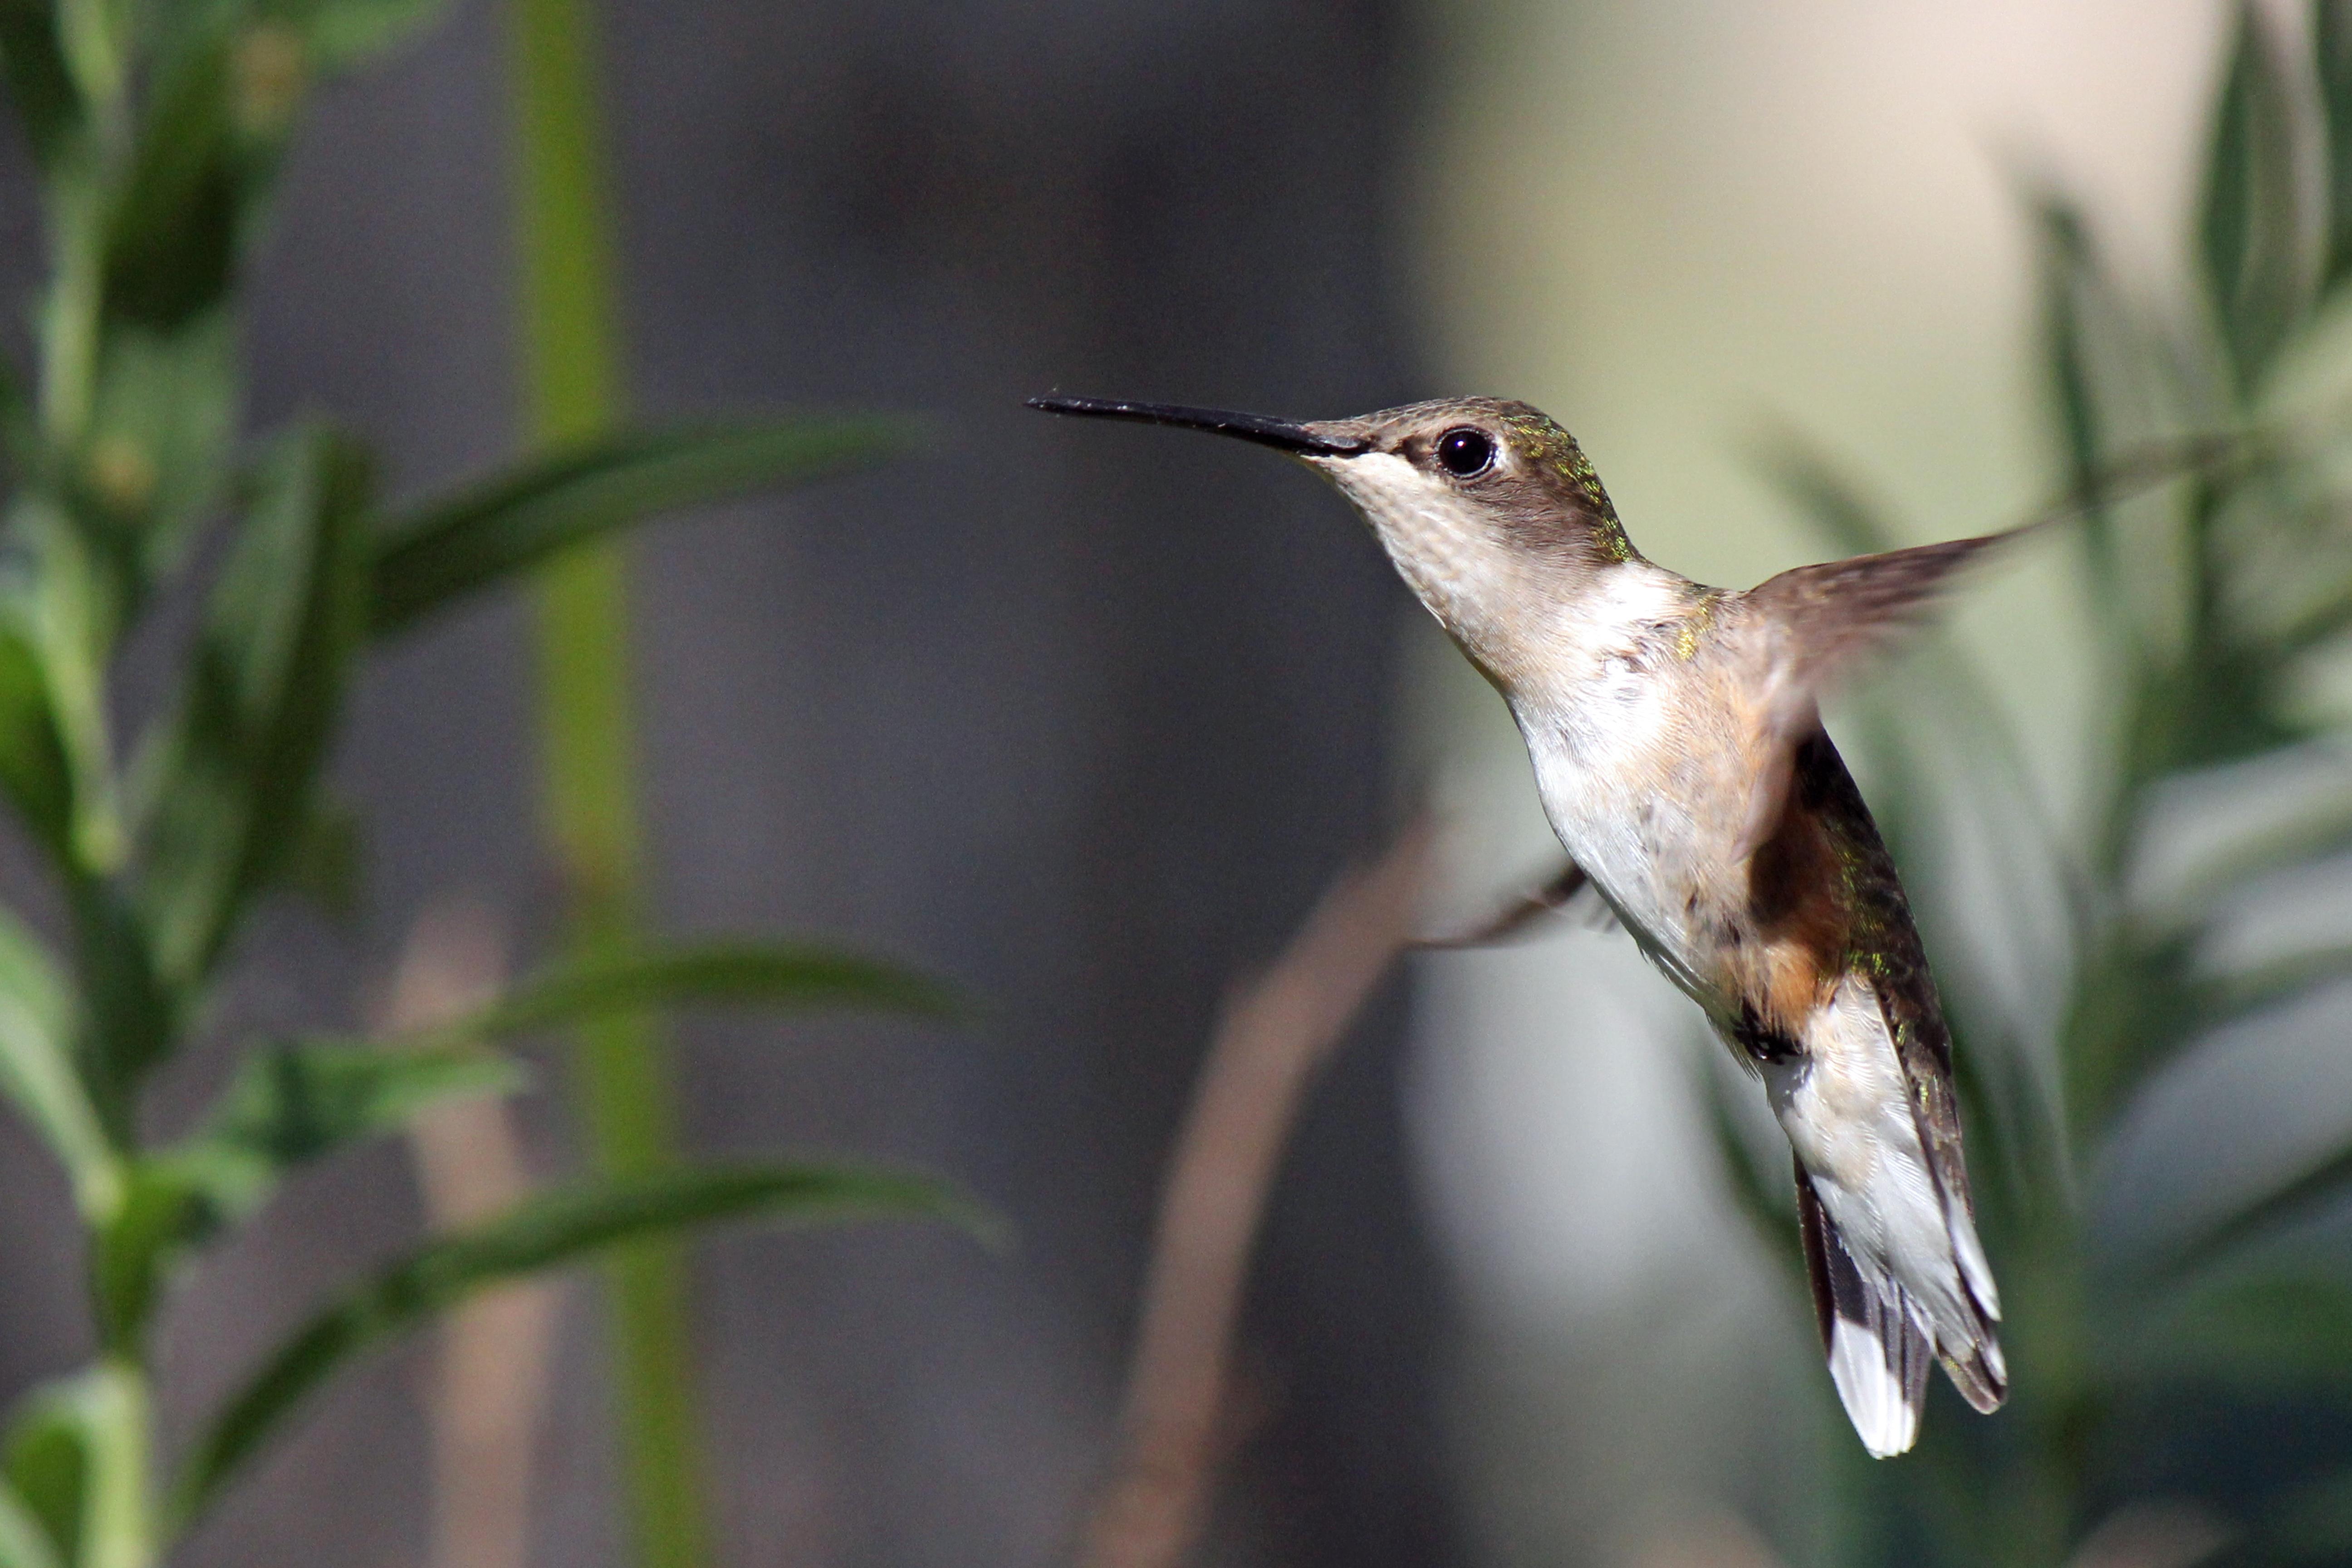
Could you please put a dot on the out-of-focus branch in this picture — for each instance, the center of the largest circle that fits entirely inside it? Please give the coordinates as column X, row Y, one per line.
column 1275, row 1031
column 489, row 1381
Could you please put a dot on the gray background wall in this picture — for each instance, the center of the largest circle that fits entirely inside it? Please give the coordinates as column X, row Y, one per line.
column 1080, row 717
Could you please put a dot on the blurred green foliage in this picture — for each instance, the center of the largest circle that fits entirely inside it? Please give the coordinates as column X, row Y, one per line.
column 2203, row 1358
column 157, row 129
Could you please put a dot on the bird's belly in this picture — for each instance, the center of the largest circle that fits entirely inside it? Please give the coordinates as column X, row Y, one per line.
column 1642, row 836
column 1655, row 910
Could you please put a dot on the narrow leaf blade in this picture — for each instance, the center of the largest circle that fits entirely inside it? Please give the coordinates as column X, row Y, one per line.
column 2332, row 40
column 162, row 1215
column 37, row 1067
column 49, row 1467
column 795, row 975
column 2074, row 291
column 297, row 1101
column 40, row 86
column 439, row 553
column 164, row 429
column 262, row 701
column 33, row 768
column 2322, row 1185
column 548, row 1232
column 77, row 1461
column 23, row 1542
column 2273, row 983
column 2249, row 229
column 1812, row 481
column 173, row 234
column 343, row 33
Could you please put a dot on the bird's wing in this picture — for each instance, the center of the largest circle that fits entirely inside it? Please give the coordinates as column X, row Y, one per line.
column 1567, row 891
column 1814, row 624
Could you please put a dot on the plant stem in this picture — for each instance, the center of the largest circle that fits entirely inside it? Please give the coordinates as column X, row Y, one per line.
column 117, row 1519
column 572, row 388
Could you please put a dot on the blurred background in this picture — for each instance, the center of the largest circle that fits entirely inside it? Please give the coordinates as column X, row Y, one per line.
column 1084, row 718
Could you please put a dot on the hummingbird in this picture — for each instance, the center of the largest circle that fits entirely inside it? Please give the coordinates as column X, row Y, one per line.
column 1676, row 736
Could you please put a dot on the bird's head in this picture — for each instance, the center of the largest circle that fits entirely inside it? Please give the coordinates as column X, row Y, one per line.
column 1489, row 510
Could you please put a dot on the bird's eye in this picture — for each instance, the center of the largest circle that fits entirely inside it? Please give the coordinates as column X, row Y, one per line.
column 1465, row 453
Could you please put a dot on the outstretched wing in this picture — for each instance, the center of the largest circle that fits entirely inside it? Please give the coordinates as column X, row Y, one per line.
column 1816, row 623
column 1843, row 609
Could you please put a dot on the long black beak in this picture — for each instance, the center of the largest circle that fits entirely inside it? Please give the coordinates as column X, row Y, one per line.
column 1283, row 434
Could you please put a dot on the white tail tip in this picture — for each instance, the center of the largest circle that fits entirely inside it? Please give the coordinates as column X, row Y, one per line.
column 1881, row 1402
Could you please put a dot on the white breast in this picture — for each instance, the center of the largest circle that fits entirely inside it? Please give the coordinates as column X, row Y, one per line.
column 1607, row 734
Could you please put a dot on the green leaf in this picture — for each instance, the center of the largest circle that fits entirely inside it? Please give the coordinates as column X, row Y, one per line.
column 2136, row 1003
column 36, row 1067
column 224, row 96
column 735, row 973
column 2249, row 229
column 238, row 769
column 40, row 88
column 549, row 1231
column 132, row 1016
column 69, row 615
column 2319, row 834
column 1812, row 481
column 2332, row 42
column 24, row 1542
column 76, row 1463
column 48, row 1463
column 2257, row 988
column 162, row 429
column 2324, row 1184
column 34, row 767
column 2075, row 293
column 287, row 1105
column 139, row 1248
column 445, row 550
column 347, row 33
column 292, row 1103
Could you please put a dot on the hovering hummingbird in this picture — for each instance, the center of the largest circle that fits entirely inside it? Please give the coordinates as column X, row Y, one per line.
column 1678, row 746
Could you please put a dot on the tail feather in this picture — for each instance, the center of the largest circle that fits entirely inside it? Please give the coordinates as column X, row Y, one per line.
column 1899, row 1277
column 1878, row 1354
column 1981, row 1377
column 1976, row 1366
column 1878, row 1339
